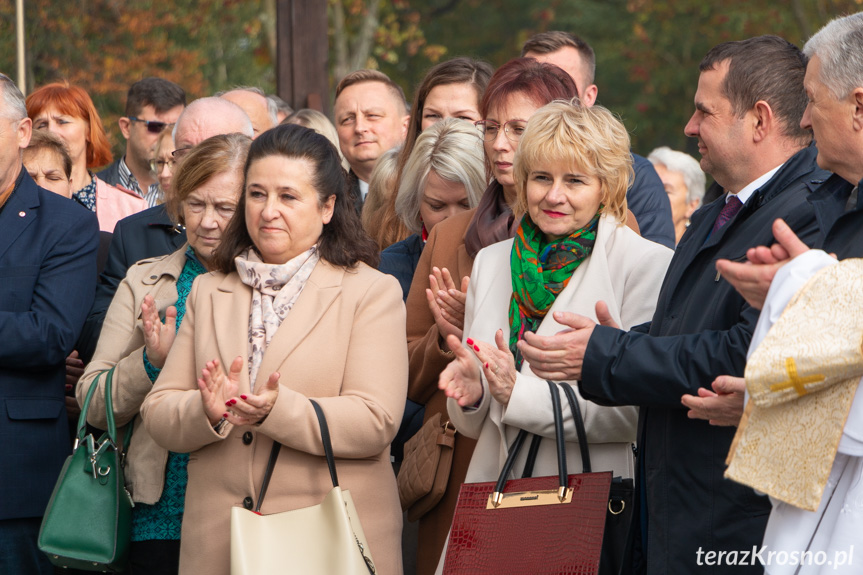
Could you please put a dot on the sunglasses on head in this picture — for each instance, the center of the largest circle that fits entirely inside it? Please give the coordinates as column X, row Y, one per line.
column 153, row 126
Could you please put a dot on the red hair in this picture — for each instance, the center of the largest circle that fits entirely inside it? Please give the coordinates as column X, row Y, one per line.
column 541, row 83
column 74, row 101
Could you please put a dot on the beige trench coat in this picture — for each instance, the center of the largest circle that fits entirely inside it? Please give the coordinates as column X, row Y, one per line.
column 121, row 345
column 342, row 344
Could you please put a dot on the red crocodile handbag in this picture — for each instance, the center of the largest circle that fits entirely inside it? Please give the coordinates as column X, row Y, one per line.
column 538, row 525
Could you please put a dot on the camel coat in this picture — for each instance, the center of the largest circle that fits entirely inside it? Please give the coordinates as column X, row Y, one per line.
column 343, row 345
column 444, row 249
column 624, row 270
column 121, row 346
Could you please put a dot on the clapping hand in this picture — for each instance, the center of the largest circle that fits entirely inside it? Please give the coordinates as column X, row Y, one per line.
column 561, row 356
column 158, row 336
column 461, row 378
column 219, row 394
column 447, row 302
column 723, row 406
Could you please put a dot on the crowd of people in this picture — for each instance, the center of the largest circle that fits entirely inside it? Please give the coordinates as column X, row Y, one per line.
column 434, row 262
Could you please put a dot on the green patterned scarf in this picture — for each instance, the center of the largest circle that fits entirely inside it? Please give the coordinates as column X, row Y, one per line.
column 540, row 271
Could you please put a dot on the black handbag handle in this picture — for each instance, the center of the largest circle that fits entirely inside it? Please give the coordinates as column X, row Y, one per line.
column 519, row 441
column 274, row 455
column 530, row 460
column 579, row 425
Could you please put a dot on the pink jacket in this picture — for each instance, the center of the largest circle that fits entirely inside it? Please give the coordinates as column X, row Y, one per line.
column 115, row 203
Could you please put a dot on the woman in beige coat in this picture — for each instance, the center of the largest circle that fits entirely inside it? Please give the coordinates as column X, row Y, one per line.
column 571, row 251
column 295, row 314
column 207, row 189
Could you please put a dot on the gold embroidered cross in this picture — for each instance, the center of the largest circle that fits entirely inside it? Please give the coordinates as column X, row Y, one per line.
column 794, row 380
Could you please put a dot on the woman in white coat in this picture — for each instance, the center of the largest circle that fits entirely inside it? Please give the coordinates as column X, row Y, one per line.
column 571, row 251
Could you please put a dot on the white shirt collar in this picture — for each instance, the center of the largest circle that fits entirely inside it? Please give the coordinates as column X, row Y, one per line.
column 364, row 188
column 744, row 194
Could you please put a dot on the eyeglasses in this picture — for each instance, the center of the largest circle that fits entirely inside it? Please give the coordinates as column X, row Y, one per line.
column 153, row 126
column 158, row 165
column 512, row 129
column 179, row 153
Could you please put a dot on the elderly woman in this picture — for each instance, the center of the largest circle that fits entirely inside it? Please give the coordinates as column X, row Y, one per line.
column 48, row 163
column 435, row 307
column 68, row 112
column 444, row 176
column 296, row 312
column 571, row 250
column 684, row 183
column 135, row 342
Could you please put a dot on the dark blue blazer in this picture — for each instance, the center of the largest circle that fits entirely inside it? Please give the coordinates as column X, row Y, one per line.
column 842, row 231
column 400, row 260
column 701, row 329
column 48, row 247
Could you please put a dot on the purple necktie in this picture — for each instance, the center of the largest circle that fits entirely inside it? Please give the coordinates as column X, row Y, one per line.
column 732, row 206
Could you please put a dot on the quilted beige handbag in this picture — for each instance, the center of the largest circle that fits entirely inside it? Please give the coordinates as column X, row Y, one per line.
column 424, row 472
column 324, row 539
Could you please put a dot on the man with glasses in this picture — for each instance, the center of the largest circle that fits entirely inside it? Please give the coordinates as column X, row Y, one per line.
column 152, row 105
column 151, row 233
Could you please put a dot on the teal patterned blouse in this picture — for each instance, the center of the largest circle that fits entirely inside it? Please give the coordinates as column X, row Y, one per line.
column 164, row 519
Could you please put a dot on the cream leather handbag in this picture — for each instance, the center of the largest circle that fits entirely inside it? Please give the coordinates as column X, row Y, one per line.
column 320, row 540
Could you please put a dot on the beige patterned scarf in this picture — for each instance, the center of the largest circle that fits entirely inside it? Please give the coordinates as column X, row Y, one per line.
column 275, row 289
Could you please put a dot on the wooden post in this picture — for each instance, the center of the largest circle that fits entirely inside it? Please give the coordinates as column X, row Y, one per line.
column 302, row 73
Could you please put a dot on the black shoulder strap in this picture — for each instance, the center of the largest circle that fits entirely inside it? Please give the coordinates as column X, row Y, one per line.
column 271, row 464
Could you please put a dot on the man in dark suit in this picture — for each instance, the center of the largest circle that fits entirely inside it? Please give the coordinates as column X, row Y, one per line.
column 47, row 279
column 749, row 102
column 838, row 204
column 371, row 117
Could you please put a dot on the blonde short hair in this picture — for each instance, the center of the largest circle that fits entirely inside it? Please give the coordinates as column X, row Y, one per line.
column 591, row 139
column 452, row 148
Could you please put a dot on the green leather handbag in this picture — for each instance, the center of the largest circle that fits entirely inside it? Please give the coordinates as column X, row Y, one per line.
column 88, row 522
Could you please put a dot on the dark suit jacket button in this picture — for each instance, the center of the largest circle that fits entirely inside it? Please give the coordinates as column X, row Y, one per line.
column 248, row 503
column 247, row 437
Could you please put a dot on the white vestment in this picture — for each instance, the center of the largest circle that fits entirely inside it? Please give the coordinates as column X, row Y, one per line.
column 831, row 534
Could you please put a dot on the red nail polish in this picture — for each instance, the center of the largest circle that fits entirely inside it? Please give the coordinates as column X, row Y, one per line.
column 225, row 415
column 243, row 397
column 469, row 341
column 233, row 402
column 476, row 347
column 486, row 365
column 228, row 403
